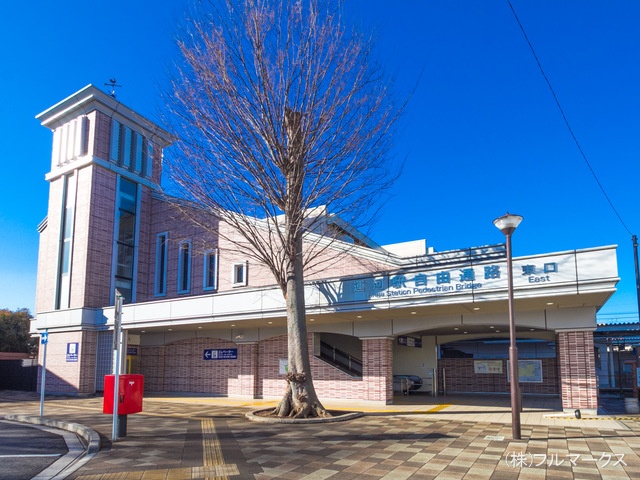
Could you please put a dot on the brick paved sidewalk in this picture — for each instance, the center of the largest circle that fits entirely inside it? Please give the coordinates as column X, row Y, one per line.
column 192, row 439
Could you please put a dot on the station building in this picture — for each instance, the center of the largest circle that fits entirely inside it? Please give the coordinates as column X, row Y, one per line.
column 199, row 318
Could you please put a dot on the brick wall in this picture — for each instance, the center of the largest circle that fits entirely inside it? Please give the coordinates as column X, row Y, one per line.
column 81, row 232
column 69, row 377
column 48, row 250
column 328, row 381
column 146, row 248
column 377, row 369
column 159, row 217
column 99, row 140
column 100, row 237
column 166, row 218
column 87, row 359
column 246, row 383
column 271, row 383
column 179, row 367
column 151, row 365
column 461, row 378
column 577, row 370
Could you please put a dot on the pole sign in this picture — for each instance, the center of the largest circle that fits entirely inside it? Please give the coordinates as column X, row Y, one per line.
column 117, row 333
column 44, row 339
column 220, row 354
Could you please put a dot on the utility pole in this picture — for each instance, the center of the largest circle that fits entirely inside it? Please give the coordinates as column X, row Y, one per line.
column 117, row 329
column 634, row 239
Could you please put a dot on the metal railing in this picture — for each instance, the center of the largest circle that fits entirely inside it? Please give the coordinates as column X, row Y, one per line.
column 342, row 360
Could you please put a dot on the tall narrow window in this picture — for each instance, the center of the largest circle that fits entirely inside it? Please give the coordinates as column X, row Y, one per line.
column 137, row 152
column 162, row 248
column 114, row 149
column 66, row 244
column 148, row 159
column 126, row 238
column 126, row 147
column 184, row 267
column 239, row 274
column 210, row 270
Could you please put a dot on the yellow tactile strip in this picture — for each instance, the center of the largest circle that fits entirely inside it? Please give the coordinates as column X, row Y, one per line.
column 601, row 418
column 213, row 460
column 213, row 466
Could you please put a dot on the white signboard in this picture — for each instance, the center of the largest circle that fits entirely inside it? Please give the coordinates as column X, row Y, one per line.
column 465, row 278
column 283, row 367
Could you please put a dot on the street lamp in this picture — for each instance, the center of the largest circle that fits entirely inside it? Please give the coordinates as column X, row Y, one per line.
column 507, row 224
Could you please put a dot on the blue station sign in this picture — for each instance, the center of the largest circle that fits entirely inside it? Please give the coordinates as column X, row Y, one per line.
column 220, row 354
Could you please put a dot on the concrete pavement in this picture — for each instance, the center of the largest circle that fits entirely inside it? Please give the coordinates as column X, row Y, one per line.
column 418, row 437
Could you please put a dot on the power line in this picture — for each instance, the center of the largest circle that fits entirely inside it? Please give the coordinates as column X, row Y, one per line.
column 566, row 120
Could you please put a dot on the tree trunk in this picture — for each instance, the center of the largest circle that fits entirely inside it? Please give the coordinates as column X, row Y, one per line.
column 300, row 399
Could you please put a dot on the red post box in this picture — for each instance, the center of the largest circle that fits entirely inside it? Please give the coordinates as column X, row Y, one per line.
column 130, row 392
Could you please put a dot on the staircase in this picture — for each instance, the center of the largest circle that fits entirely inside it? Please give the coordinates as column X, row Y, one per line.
column 341, row 360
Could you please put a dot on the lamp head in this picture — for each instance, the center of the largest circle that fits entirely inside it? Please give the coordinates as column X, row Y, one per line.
column 507, row 223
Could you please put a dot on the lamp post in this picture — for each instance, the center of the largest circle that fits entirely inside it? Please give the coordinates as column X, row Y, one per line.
column 507, row 224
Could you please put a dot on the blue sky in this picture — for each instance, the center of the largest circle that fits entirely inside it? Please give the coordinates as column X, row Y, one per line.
column 481, row 135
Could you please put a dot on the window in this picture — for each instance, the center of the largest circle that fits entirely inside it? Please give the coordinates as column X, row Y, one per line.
column 210, row 270
column 66, row 243
column 162, row 250
column 125, row 251
column 130, row 149
column 239, row 274
column 184, row 267
column 114, row 150
column 137, row 151
column 148, row 158
column 126, row 147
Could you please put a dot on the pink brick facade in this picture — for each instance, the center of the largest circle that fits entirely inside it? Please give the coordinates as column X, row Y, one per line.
column 48, row 250
column 377, row 369
column 71, row 377
column 180, row 367
column 100, row 239
column 461, row 377
column 577, row 370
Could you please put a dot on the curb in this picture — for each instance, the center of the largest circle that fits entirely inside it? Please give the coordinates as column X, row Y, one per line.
column 89, row 435
column 337, row 418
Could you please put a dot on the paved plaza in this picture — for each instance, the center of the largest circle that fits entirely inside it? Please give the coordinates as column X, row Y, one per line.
column 419, row 438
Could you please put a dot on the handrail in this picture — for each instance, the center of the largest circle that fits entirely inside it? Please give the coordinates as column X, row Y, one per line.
column 340, row 359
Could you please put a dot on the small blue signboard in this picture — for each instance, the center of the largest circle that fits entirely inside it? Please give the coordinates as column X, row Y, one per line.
column 44, row 338
column 220, row 354
column 132, row 351
column 72, row 352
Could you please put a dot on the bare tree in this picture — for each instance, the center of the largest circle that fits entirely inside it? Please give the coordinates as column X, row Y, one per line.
column 285, row 124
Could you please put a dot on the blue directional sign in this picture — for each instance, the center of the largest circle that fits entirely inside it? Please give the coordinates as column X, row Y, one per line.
column 44, row 338
column 220, row 354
